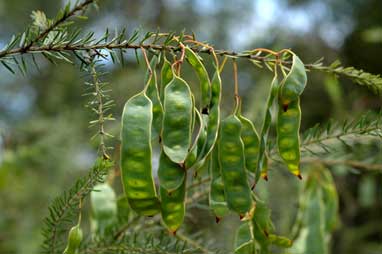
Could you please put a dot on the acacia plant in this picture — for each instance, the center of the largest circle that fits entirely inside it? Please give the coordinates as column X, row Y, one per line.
column 203, row 154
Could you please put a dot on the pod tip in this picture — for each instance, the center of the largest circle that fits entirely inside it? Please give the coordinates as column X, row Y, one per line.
column 299, row 176
column 173, row 233
column 265, row 177
column 217, row 220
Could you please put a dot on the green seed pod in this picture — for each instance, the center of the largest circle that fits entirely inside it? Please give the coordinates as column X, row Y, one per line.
column 288, row 139
column 166, row 76
column 217, row 199
column 193, row 153
column 280, row 241
column 171, row 175
column 213, row 117
column 330, row 199
column 74, row 240
column 244, row 240
column 177, row 120
column 153, row 93
column 261, row 237
column 232, row 164
column 262, row 225
column 294, row 83
column 207, row 140
column 311, row 238
column 251, row 142
column 262, row 157
column 173, row 207
column 103, row 207
column 205, row 84
column 136, row 151
column 123, row 209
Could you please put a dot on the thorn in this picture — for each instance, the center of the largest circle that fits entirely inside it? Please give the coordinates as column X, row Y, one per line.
column 160, row 139
column 253, row 186
column 241, row 216
column 299, row 176
column 150, row 216
column 266, row 233
column 182, row 165
column 173, row 233
column 217, row 220
column 196, row 174
column 265, row 177
column 285, row 107
column 205, row 111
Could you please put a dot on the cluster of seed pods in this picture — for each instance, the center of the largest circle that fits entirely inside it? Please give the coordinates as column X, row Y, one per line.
column 191, row 136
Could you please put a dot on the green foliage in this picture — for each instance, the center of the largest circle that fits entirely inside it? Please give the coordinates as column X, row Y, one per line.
column 64, row 208
column 231, row 166
column 318, row 212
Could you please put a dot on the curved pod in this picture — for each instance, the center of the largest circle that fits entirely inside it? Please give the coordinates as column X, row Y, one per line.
column 136, row 154
column 177, row 120
column 232, row 164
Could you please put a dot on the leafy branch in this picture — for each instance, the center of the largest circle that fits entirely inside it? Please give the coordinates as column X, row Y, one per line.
column 64, row 208
column 368, row 124
column 63, row 41
column 100, row 104
column 351, row 163
column 371, row 81
column 61, row 17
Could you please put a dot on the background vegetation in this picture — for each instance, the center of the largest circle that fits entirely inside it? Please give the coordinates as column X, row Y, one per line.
column 44, row 133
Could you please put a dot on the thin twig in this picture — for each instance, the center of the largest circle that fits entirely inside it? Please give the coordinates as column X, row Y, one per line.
column 352, row 163
column 101, row 117
column 191, row 242
column 27, row 48
column 249, row 54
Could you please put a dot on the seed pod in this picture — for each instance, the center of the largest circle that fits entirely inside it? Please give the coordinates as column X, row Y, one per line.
column 232, row 164
column 251, row 142
column 198, row 141
column 205, row 84
column 293, row 84
column 312, row 233
column 288, row 139
column 166, row 76
column 123, row 209
column 262, row 225
column 244, row 240
column 330, row 199
column 173, row 206
column 74, row 240
column 208, row 139
column 177, row 120
column 262, row 158
column 104, row 208
column 136, row 151
column 280, row 241
column 213, row 117
column 217, row 199
column 171, row 175
column 153, row 93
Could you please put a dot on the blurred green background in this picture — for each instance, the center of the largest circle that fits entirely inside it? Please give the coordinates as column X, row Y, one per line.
column 44, row 134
